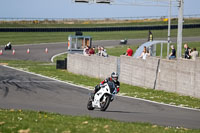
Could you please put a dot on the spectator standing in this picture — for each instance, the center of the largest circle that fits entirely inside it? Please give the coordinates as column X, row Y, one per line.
column 94, row 50
column 129, row 52
column 173, row 53
column 91, row 51
column 187, row 51
column 194, row 54
column 99, row 51
column 150, row 37
column 86, row 51
column 103, row 52
column 144, row 53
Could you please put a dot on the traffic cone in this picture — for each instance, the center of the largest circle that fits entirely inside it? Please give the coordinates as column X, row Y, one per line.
column 1, row 52
column 28, row 51
column 13, row 52
column 46, row 50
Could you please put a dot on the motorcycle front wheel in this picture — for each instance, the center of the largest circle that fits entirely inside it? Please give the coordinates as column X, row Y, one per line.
column 105, row 102
column 89, row 105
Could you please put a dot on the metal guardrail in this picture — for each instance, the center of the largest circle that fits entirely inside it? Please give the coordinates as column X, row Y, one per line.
column 97, row 29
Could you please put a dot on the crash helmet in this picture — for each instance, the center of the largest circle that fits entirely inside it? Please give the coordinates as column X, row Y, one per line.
column 8, row 43
column 114, row 76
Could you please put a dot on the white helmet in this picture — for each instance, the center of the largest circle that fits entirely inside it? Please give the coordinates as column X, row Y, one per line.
column 114, row 76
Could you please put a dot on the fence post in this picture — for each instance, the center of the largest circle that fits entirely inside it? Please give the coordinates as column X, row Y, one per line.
column 118, row 65
column 157, row 70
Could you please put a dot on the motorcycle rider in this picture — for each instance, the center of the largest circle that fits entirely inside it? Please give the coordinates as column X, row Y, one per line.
column 113, row 78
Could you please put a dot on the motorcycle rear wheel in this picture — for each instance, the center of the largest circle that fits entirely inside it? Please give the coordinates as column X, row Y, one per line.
column 105, row 104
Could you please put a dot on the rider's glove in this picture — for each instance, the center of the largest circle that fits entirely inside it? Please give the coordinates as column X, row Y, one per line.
column 101, row 84
column 117, row 90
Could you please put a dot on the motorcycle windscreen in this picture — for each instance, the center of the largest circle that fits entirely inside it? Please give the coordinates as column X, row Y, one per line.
column 111, row 86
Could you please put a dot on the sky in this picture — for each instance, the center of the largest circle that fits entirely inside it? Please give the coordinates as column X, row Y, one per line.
column 69, row 9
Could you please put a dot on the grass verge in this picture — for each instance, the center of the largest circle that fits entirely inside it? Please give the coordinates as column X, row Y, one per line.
column 42, row 122
column 48, row 37
column 128, row 90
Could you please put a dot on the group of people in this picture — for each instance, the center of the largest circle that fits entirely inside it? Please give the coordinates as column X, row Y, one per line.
column 101, row 51
column 145, row 53
column 189, row 53
column 88, row 51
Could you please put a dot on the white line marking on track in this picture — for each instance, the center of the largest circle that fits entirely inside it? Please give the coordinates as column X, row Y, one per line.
column 90, row 90
column 52, row 58
column 37, row 44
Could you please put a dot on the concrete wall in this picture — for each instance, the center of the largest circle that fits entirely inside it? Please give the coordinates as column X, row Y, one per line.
column 167, row 76
column 138, row 72
column 181, row 76
column 197, row 79
column 94, row 66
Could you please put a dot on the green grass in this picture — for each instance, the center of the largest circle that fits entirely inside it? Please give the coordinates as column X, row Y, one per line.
column 18, row 121
column 48, row 37
column 128, row 90
column 160, row 96
column 120, row 50
column 32, row 37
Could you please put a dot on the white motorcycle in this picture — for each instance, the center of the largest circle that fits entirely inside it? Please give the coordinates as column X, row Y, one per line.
column 103, row 97
column 8, row 46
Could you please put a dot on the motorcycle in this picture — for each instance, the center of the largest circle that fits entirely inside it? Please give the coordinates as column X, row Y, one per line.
column 8, row 46
column 103, row 97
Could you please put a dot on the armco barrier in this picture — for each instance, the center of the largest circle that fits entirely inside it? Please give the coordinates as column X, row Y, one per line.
column 180, row 76
column 96, row 29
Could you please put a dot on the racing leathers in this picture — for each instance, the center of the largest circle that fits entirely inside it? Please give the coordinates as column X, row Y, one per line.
column 116, row 82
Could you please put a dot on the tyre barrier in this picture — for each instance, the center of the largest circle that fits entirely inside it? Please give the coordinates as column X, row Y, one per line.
column 61, row 64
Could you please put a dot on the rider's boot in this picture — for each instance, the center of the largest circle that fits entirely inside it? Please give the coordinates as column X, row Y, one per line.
column 112, row 98
column 96, row 89
column 92, row 96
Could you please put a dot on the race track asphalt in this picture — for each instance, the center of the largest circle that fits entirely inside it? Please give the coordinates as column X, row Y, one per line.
column 21, row 90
